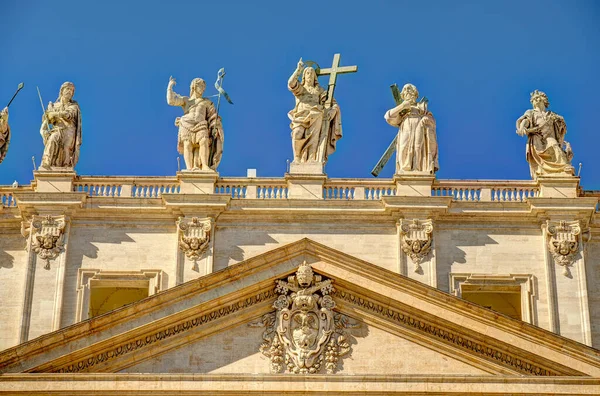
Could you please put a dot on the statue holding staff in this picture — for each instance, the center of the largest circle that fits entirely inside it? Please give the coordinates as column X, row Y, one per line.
column 61, row 130
column 200, row 137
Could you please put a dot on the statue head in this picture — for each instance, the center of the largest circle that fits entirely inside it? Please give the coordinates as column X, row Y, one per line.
column 304, row 275
column 539, row 96
column 409, row 93
column 67, row 90
column 197, row 87
column 309, row 76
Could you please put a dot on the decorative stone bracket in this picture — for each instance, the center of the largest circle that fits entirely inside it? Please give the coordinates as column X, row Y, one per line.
column 194, row 236
column 304, row 334
column 563, row 242
column 416, row 237
column 45, row 236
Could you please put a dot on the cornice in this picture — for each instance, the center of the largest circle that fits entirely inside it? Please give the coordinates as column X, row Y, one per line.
column 261, row 384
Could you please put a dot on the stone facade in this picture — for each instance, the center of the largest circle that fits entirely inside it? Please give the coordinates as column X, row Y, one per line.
column 121, row 233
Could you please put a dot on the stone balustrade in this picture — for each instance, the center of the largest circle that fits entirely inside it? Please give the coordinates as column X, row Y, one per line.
column 138, row 187
column 252, row 188
column 277, row 188
column 486, row 190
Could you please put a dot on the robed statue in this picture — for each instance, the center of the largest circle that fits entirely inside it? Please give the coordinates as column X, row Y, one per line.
column 61, row 130
column 416, row 143
column 4, row 133
column 312, row 140
column 200, row 137
column 547, row 152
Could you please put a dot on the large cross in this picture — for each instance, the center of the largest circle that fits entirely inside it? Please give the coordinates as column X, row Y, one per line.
column 333, row 71
column 392, row 147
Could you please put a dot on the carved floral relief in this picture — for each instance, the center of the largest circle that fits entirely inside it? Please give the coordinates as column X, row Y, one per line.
column 304, row 335
column 416, row 237
column 48, row 236
column 194, row 236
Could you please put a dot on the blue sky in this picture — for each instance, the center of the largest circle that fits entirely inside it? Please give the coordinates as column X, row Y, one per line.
column 475, row 61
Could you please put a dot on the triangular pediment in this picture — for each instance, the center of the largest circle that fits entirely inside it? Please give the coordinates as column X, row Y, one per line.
column 209, row 324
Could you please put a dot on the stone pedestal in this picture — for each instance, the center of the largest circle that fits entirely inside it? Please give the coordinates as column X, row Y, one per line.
column 306, row 168
column 414, row 184
column 306, row 180
column 197, row 182
column 305, row 186
column 558, row 186
column 54, row 180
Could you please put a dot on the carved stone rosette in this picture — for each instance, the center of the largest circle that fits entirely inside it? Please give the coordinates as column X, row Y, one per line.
column 194, row 236
column 563, row 242
column 48, row 236
column 416, row 237
column 304, row 334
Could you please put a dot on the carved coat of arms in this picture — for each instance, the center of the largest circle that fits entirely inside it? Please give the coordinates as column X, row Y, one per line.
column 415, row 239
column 194, row 236
column 563, row 242
column 48, row 238
column 304, row 333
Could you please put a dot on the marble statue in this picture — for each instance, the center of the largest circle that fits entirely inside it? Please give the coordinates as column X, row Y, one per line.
column 416, row 143
column 61, row 130
column 308, row 117
column 547, row 152
column 4, row 133
column 200, row 137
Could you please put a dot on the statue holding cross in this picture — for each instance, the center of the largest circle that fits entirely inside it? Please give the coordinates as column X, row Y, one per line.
column 416, row 141
column 315, row 119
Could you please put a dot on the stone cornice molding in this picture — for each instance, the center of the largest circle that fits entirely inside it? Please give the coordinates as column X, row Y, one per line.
column 246, row 384
column 30, row 203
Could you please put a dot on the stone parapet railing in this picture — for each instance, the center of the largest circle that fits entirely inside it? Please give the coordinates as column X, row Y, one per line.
column 139, row 187
column 252, row 188
column 278, row 188
column 354, row 189
column 7, row 199
column 486, row 190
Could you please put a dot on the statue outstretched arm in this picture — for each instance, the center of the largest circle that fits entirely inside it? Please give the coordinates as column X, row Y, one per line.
column 174, row 99
column 293, row 80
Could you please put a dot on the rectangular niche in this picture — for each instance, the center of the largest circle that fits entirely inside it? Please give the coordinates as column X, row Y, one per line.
column 99, row 292
column 512, row 295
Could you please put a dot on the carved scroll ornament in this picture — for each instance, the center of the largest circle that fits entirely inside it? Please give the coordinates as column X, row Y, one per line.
column 304, row 334
column 194, row 236
column 48, row 236
column 415, row 239
column 563, row 242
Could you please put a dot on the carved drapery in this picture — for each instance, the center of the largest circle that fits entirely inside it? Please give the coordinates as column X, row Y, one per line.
column 563, row 242
column 194, row 236
column 47, row 239
column 416, row 237
column 304, row 334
